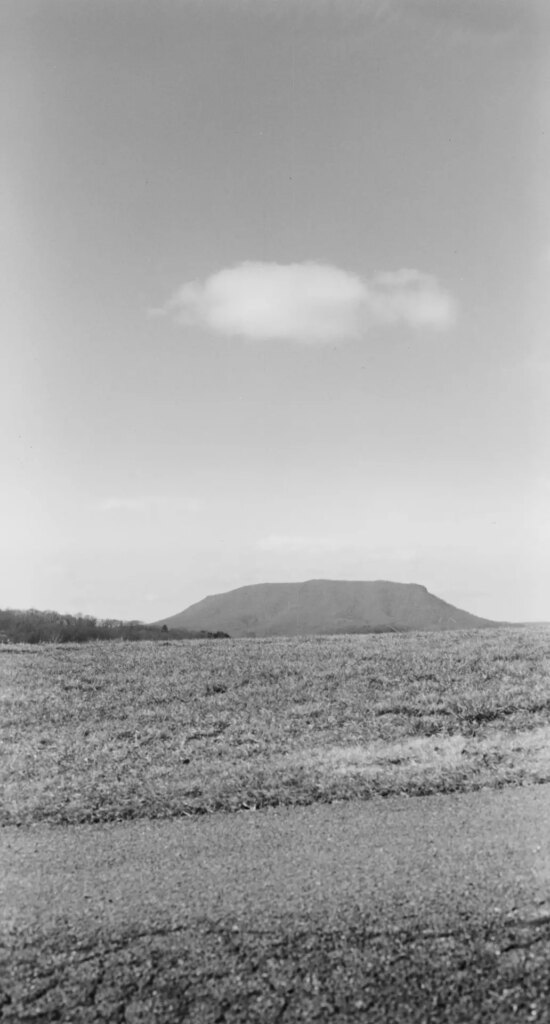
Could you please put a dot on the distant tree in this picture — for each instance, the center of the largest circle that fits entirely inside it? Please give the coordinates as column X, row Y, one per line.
column 164, row 628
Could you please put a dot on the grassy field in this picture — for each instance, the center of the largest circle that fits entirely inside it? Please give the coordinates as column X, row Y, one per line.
column 112, row 730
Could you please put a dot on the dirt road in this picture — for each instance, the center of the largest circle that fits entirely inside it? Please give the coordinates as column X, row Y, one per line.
column 425, row 909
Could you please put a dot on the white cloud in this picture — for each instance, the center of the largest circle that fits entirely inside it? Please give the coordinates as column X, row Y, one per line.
column 281, row 542
column 276, row 542
column 410, row 297
column 467, row 21
column 309, row 302
column 121, row 504
column 147, row 504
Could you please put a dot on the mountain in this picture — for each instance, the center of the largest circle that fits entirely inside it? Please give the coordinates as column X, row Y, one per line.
column 322, row 607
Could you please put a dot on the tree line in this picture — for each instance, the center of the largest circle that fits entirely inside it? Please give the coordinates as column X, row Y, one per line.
column 35, row 627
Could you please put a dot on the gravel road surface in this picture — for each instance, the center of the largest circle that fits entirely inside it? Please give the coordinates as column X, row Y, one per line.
column 397, row 910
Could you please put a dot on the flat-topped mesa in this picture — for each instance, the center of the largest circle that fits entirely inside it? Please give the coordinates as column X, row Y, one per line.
column 324, row 607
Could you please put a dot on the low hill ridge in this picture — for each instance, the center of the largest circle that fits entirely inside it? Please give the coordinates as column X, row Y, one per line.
column 320, row 607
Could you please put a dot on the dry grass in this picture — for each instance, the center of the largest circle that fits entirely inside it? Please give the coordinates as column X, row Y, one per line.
column 108, row 731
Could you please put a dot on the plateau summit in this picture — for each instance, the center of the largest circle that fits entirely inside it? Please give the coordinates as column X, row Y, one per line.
column 323, row 607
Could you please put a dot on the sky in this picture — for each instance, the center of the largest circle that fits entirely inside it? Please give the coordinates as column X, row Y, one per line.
column 275, row 281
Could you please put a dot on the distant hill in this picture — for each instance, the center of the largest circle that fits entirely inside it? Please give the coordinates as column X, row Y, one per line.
column 320, row 607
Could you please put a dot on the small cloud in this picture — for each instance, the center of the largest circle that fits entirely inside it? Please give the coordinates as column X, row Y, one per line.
column 411, row 297
column 118, row 504
column 345, row 542
column 309, row 302
column 296, row 302
column 278, row 542
column 147, row 504
column 463, row 21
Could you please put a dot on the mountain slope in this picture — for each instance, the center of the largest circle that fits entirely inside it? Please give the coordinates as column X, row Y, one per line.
column 323, row 606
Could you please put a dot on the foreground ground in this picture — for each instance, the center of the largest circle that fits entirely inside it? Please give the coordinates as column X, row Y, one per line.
column 427, row 910
column 114, row 731
column 129, row 892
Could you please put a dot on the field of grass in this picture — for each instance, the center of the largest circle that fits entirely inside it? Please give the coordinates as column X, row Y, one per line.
column 112, row 730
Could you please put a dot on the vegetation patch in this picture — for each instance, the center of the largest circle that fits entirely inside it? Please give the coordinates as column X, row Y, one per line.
column 113, row 730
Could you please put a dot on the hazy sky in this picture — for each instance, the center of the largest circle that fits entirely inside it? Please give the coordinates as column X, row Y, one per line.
column 275, row 281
